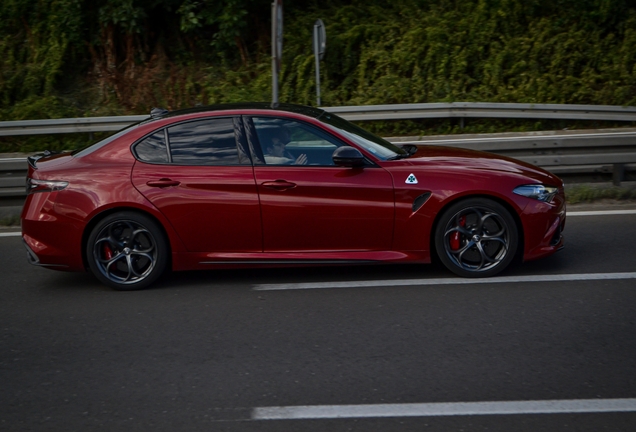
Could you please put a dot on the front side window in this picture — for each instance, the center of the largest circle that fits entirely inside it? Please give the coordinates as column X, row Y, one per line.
column 204, row 142
column 289, row 142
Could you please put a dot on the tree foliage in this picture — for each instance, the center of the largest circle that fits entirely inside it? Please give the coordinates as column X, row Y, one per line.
column 535, row 51
column 78, row 57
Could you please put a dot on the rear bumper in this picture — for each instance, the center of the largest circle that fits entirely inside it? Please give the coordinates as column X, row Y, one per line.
column 50, row 240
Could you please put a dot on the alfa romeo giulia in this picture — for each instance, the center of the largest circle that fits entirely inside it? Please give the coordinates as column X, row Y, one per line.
column 256, row 185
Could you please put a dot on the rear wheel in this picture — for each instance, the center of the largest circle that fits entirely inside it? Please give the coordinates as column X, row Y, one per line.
column 476, row 237
column 127, row 251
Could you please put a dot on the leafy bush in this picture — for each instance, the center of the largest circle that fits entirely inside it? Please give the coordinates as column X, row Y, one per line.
column 73, row 58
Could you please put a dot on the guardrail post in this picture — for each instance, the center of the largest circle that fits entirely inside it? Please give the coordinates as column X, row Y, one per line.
column 618, row 173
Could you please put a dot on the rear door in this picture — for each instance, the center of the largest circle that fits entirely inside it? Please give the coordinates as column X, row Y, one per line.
column 199, row 175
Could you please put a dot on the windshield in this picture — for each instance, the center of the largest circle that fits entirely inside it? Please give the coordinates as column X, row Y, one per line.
column 375, row 145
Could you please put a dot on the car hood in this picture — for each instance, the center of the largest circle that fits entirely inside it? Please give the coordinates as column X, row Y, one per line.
column 439, row 157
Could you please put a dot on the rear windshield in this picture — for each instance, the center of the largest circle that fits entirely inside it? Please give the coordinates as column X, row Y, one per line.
column 101, row 143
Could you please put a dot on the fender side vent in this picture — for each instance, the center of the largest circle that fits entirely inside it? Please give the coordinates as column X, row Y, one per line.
column 420, row 200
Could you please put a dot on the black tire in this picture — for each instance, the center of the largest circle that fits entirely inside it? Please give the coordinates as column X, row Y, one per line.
column 127, row 251
column 476, row 237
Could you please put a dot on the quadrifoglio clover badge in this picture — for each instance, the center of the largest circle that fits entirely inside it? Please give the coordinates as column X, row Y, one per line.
column 411, row 179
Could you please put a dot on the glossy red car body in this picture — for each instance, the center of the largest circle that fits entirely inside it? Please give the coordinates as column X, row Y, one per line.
column 255, row 214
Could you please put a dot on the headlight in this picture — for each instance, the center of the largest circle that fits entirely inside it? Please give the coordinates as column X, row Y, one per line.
column 539, row 192
column 34, row 185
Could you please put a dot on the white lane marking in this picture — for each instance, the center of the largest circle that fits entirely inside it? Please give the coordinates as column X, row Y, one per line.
column 445, row 281
column 444, row 409
column 601, row 213
column 10, row 234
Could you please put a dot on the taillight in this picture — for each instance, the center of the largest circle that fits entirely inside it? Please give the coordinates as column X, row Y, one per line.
column 34, row 185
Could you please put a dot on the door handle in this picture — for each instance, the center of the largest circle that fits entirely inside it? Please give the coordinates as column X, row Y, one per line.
column 279, row 185
column 164, row 182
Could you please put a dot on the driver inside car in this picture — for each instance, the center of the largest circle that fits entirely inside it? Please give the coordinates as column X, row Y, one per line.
column 276, row 152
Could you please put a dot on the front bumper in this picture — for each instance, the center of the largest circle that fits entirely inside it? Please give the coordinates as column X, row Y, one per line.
column 543, row 228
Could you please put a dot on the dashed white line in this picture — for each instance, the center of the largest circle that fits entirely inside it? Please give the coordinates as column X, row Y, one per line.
column 601, row 213
column 444, row 409
column 445, row 281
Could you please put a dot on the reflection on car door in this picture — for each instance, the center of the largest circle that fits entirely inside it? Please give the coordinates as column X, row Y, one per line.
column 205, row 186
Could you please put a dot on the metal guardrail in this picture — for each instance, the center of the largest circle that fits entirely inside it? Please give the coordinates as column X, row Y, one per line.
column 561, row 152
column 69, row 125
column 485, row 110
column 13, row 177
column 459, row 110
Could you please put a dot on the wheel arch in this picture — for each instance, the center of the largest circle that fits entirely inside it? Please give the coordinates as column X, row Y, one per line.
column 105, row 213
column 513, row 213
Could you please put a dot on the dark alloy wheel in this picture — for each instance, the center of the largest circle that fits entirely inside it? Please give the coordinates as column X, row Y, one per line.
column 127, row 251
column 476, row 237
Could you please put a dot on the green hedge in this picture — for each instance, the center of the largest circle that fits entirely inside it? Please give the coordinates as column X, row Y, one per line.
column 68, row 58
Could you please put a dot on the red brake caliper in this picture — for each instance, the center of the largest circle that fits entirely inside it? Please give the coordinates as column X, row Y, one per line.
column 455, row 237
column 108, row 252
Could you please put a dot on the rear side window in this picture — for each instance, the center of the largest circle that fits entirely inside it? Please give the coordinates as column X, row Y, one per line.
column 204, row 142
column 153, row 148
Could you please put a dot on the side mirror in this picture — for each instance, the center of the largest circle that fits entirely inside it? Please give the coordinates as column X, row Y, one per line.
column 411, row 149
column 348, row 157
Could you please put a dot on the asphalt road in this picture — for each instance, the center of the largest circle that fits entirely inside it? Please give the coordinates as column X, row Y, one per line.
column 201, row 350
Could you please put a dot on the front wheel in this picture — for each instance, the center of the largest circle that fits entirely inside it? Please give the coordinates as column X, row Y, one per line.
column 127, row 251
column 476, row 237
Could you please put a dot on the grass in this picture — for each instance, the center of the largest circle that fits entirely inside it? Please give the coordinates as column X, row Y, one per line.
column 587, row 193
column 10, row 221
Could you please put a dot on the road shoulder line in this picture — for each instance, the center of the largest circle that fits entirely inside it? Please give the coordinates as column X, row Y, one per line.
column 10, row 234
column 569, row 214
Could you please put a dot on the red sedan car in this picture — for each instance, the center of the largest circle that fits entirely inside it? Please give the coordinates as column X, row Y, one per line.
column 253, row 185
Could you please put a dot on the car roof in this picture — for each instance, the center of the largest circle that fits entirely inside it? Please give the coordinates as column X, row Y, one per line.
column 293, row 108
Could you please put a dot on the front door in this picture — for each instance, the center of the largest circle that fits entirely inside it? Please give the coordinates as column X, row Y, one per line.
column 310, row 205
